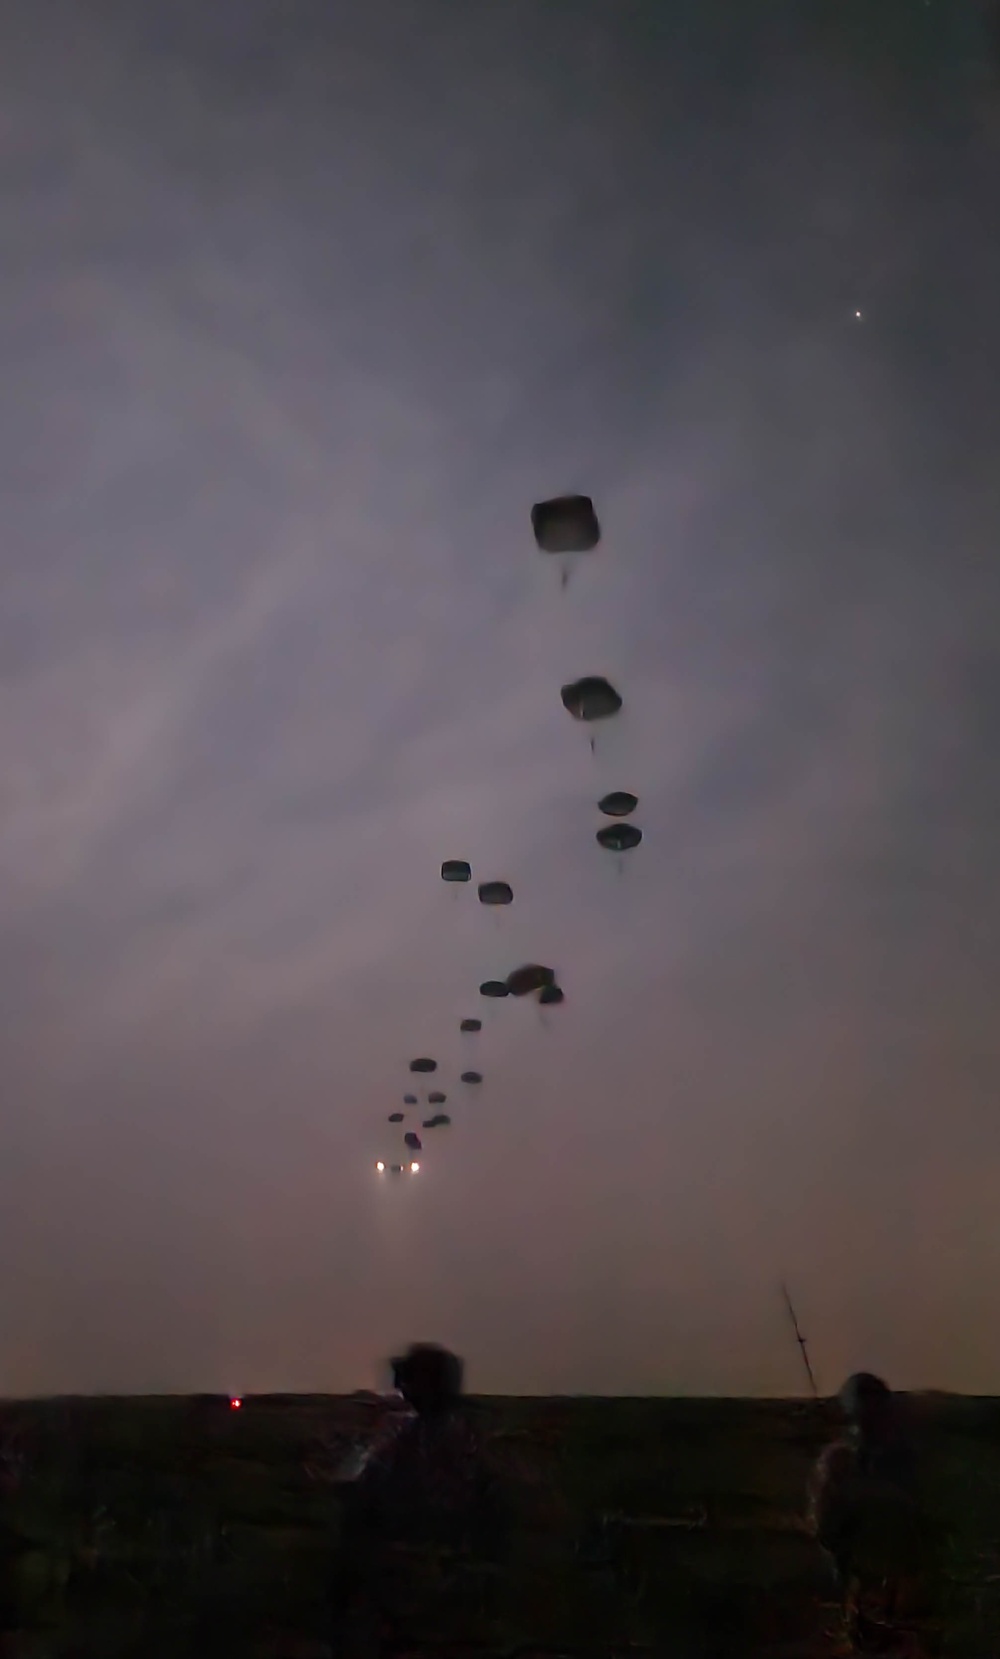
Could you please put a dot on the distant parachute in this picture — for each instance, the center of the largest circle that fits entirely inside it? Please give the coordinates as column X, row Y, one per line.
column 396, row 1117
column 440, row 1120
column 412, row 1141
column 436, row 1098
column 456, row 869
column 472, row 1077
column 550, row 996
column 423, row 1065
column 590, row 699
column 471, row 1025
column 410, row 1100
column 566, row 524
column 619, row 838
column 395, row 1169
column 532, row 977
column 493, row 988
column 495, row 892
column 619, row 804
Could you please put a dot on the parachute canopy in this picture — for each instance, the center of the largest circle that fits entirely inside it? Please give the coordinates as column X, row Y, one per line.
column 456, row 869
column 590, row 699
column 395, row 1169
column 410, row 1100
column 412, row 1141
column 550, row 996
column 436, row 1099
column 532, row 977
column 471, row 1025
column 396, row 1117
column 472, row 1077
column 440, row 1120
column 566, row 524
column 618, row 804
column 423, row 1065
column 619, row 838
column 493, row 988
column 496, row 892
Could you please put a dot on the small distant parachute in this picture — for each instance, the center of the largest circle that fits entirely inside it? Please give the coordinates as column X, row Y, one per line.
column 456, row 869
column 619, row 804
column 436, row 1099
column 423, row 1065
column 532, row 977
column 440, row 1120
column 396, row 1117
column 471, row 1025
column 412, row 1141
column 410, row 1100
column 395, row 1169
column 619, row 838
column 566, row 524
column 495, row 892
column 472, row 1077
column 590, row 699
column 550, row 996
column 494, row 988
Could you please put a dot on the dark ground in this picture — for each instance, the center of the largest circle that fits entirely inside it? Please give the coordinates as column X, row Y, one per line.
column 159, row 1528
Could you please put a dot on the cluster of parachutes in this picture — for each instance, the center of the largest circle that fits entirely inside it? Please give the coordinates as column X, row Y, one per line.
column 564, row 527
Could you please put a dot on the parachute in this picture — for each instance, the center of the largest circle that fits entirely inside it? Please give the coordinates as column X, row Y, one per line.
column 412, row 1141
column 472, row 1077
column 493, row 988
column 590, row 699
column 619, row 838
column 410, row 1100
column 619, row 804
column 436, row 1099
column 456, row 869
column 495, row 892
column 396, row 1117
column 550, row 996
column 566, row 524
column 532, row 977
column 440, row 1120
column 423, row 1065
column 395, row 1169
column 471, row 1025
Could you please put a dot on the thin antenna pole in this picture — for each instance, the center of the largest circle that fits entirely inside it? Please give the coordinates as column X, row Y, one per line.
column 800, row 1339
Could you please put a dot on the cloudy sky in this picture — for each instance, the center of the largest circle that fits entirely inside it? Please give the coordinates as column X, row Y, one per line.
column 302, row 305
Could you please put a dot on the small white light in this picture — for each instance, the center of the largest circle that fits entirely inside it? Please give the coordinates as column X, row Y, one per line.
column 858, row 315
column 414, row 1168
column 381, row 1168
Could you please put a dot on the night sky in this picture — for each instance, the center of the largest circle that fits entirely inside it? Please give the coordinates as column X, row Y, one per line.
column 302, row 305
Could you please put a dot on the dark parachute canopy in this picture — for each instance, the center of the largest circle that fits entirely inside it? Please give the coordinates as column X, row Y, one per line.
column 619, row 838
column 423, row 1065
column 550, row 996
column 440, row 1120
column 496, row 892
column 396, row 1117
column 395, row 1169
column 456, row 869
column 471, row 1025
column 494, row 988
column 532, row 977
column 619, row 804
column 436, row 1099
column 410, row 1100
column 590, row 699
column 472, row 1077
column 566, row 524
column 412, row 1141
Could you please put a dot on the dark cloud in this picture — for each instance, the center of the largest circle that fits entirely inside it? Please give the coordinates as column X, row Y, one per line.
column 301, row 309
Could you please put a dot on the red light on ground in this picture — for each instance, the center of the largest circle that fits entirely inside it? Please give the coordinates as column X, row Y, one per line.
column 234, row 1405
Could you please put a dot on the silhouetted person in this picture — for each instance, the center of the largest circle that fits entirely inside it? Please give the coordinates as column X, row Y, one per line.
column 426, row 1481
column 865, row 1511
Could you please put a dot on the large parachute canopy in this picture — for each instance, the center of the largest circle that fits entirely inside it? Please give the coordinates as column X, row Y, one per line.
column 412, row 1141
column 436, row 1098
column 471, row 1025
column 532, row 977
column 566, row 524
column 550, row 996
column 456, row 869
column 396, row 1117
column 496, row 892
column 493, row 988
column 590, row 699
column 472, row 1077
column 619, row 838
column 423, row 1064
column 619, row 804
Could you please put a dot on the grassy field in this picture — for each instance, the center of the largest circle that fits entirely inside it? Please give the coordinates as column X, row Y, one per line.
column 158, row 1527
